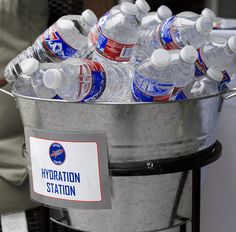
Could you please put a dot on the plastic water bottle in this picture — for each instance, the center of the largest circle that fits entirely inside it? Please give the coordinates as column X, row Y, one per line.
column 85, row 80
column 182, row 65
column 224, row 23
column 221, row 56
column 64, row 39
column 194, row 16
column 172, row 33
column 35, row 71
column 153, row 19
column 202, row 87
column 142, row 9
column 176, row 32
column 119, row 36
column 153, row 79
column 146, row 42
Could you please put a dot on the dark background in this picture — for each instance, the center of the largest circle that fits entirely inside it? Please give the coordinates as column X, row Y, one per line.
column 59, row 8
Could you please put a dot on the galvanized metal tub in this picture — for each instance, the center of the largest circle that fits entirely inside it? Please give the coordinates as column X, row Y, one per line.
column 135, row 132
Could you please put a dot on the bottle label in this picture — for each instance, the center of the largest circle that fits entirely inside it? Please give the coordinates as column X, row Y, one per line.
column 180, row 95
column 226, row 79
column 93, row 35
column 97, row 82
column 168, row 35
column 114, row 50
column 145, row 90
column 53, row 42
column 200, row 66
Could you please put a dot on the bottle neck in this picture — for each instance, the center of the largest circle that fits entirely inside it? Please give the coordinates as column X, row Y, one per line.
column 140, row 16
column 83, row 26
column 228, row 50
column 209, row 79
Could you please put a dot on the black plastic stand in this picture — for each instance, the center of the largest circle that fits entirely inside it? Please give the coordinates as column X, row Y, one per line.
column 193, row 162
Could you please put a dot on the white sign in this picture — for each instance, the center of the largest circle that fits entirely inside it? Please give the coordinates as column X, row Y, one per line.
column 66, row 170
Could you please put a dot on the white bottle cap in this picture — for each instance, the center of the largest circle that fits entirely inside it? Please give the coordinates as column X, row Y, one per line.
column 29, row 66
column 204, row 25
column 89, row 17
column 189, row 54
column 52, row 78
column 232, row 43
column 164, row 12
column 65, row 24
column 209, row 13
column 214, row 74
column 129, row 8
column 143, row 6
column 160, row 59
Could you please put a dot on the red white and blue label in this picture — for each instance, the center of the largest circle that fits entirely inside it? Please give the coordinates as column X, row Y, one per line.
column 225, row 81
column 168, row 35
column 200, row 66
column 93, row 34
column 180, row 95
column 146, row 90
column 53, row 42
column 57, row 153
column 97, row 83
column 114, row 50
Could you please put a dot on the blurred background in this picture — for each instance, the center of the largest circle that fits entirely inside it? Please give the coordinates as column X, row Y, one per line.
column 222, row 8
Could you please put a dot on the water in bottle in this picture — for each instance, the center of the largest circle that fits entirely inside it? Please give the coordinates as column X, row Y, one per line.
column 66, row 38
column 32, row 78
column 176, row 32
column 221, row 56
column 208, row 85
column 119, row 36
column 153, row 79
column 142, row 7
column 85, row 80
column 172, row 33
column 146, row 42
column 182, row 65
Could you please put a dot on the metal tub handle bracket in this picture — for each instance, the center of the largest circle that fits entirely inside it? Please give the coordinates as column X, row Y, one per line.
column 227, row 95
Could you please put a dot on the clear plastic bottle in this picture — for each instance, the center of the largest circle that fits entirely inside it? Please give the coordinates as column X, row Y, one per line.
column 221, row 56
column 153, row 19
column 142, row 7
column 85, row 80
column 146, row 42
column 182, row 64
column 176, row 32
column 201, row 87
column 194, row 16
column 153, row 80
column 35, row 71
column 224, row 23
column 65, row 38
column 119, row 36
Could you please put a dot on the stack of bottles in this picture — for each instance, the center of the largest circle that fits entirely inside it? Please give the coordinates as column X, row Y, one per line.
column 128, row 55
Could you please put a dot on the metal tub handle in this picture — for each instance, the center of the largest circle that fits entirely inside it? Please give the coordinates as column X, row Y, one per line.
column 229, row 94
column 6, row 92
